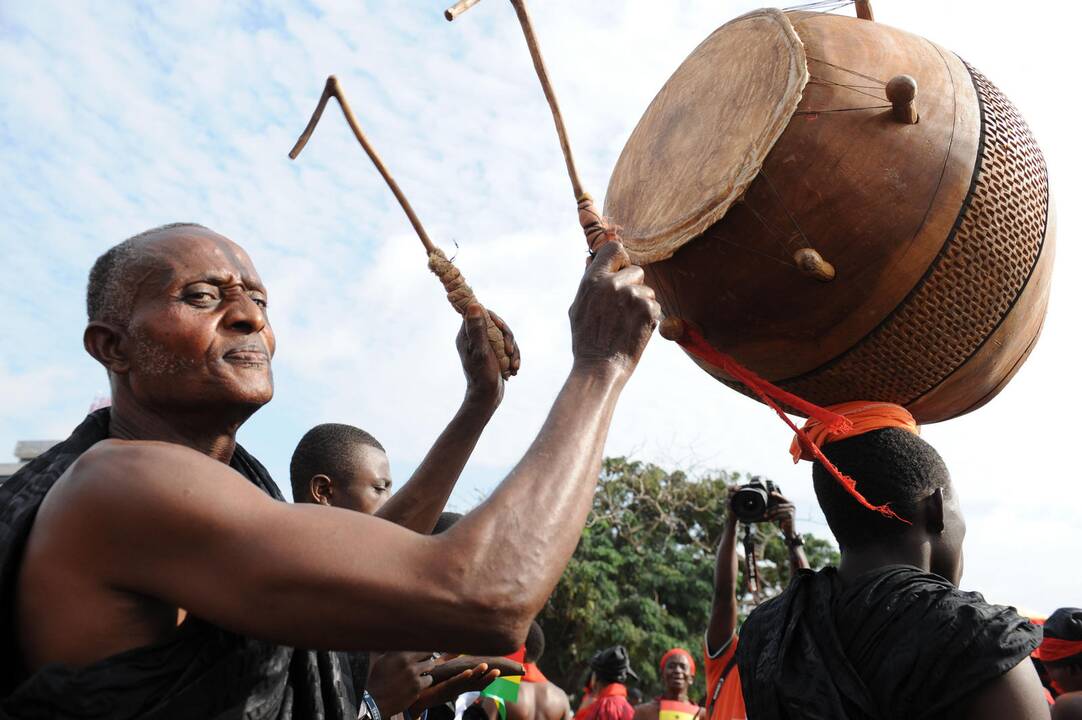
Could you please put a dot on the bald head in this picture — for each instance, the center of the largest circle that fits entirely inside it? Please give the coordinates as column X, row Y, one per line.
column 110, row 290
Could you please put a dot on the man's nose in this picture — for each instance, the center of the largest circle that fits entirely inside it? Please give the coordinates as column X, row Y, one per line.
column 243, row 315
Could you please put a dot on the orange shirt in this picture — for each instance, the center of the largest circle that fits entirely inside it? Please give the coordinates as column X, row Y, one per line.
column 730, row 702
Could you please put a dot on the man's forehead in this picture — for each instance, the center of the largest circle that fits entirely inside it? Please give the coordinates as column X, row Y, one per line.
column 194, row 252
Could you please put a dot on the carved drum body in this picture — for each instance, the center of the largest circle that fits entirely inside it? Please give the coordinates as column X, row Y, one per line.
column 776, row 138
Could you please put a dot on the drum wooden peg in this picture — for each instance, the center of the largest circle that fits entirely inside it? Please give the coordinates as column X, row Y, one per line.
column 672, row 328
column 812, row 264
column 902, row 93
column 864, row 10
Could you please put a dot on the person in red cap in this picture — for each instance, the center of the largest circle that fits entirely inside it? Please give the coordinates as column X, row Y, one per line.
column 1061, row 653
column 886, row 634
column 677, row 674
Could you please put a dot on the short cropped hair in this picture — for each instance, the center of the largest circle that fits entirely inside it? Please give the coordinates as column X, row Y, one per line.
column 890, row 466
column 535, row 643
column 110, row 292
column 325, row 450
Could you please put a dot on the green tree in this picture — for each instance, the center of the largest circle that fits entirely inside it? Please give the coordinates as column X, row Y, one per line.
column 642, row 575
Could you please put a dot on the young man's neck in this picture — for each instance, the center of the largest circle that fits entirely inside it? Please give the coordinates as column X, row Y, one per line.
column 210, row 432
column 857, row 561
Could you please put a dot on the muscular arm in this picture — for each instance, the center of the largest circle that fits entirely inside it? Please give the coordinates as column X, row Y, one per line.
column 723, row 610
column 1016, row 695
column 164, row 521
column 418, row 504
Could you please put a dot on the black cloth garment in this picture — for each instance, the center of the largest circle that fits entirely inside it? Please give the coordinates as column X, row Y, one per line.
column 897, row 643
column 201, row 671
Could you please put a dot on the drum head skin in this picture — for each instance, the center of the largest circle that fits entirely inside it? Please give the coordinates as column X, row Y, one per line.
column 704, row 137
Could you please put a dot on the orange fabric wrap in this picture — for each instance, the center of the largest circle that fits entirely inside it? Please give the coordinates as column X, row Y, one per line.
column 863, row 417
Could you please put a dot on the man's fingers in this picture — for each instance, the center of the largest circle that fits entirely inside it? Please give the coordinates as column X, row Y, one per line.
column 629, row 276
column 611, row 258
column 476, row 326
column 510, row 347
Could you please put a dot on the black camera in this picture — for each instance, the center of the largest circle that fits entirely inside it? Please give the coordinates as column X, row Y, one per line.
column 751, row 501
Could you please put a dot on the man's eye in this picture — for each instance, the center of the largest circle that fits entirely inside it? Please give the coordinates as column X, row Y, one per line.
column 201, row 296
column 259, row 301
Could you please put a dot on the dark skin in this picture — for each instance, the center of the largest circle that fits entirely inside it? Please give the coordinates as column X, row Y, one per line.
column 536, row 701
column 401, row 680
column 152, row 520
column 933, row 543
column 1067, row 680
column 366, row 486
column 677, row 677
column 723, row 611
column 1068, row 707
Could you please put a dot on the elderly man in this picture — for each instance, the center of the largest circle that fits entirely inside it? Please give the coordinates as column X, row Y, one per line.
column 148, row 568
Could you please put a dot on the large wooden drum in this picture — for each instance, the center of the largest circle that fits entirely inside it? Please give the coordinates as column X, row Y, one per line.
column 788, row 206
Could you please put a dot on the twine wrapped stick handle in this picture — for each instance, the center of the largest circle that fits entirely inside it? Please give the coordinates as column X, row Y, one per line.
column 459, row 294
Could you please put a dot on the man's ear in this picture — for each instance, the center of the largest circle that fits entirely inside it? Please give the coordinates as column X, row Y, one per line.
column 104, row 343
column 321, row 489
column 933, row 512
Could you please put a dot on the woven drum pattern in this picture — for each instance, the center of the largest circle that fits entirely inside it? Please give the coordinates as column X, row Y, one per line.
column 972, row 284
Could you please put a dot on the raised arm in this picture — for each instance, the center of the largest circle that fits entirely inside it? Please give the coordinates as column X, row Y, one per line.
column 418, row 504
column 723, row 610
column 783, row 514
column 164, row 521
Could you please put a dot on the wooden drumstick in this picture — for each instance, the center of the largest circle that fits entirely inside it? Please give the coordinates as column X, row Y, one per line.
column 597, row 230
column 459, row 294
column 864, row 10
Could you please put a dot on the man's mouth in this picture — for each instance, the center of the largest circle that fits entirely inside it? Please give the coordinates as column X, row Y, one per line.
column 248, row 355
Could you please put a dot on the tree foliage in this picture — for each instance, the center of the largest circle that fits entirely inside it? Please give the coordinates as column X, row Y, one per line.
column 643, row 573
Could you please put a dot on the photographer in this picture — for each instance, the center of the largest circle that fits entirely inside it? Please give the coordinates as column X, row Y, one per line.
column 762, row 504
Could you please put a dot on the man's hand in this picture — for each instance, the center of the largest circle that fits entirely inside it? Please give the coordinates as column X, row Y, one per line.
column 782, row 513
column 484, row 382
column 614, row 313
column 472, row 679
column 396, row 679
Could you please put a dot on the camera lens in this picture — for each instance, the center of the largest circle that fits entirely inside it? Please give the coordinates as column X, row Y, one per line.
column 749, row 504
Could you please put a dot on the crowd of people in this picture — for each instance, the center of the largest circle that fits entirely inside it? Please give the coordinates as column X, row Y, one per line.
column 150, row 567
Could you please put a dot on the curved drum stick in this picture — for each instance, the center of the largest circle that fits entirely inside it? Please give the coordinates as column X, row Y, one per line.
column 459, row 294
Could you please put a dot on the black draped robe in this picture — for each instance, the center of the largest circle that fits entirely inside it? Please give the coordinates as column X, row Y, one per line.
column 897, row 643
column 201, row 671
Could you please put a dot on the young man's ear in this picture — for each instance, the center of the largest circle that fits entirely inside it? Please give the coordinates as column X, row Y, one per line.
column 933, row 512
column 321, row 489
column 105, row 344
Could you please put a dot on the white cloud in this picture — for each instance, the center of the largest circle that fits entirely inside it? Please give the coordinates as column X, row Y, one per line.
column 115, row 121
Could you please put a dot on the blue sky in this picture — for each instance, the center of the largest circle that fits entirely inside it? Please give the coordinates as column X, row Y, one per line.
column 121, row 117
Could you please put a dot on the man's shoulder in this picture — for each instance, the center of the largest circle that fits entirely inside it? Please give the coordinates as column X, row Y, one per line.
column 114, row 465
column 115, row 481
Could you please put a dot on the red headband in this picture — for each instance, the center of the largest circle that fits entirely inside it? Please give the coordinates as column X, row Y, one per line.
column 674, row 652
column 1053, row 649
